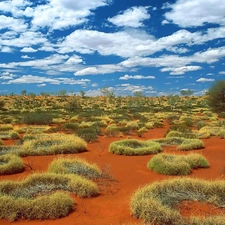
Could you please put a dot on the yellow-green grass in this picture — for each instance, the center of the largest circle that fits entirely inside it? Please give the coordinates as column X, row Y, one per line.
column 9, row 149
column 170, row 164
column 75, row 166
column 9, row 134
column 52, row 206
column 6, row 127
column 157, row 202
column 53, row 144
column 40, row 196
column 134, row 147
column 10, row 164
column 191, row 144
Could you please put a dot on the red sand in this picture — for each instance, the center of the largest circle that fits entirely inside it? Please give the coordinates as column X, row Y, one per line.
column 112, row 205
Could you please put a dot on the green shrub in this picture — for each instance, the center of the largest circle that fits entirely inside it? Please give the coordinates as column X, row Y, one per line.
column 191, row 144
column 75, row 166
column 169, row 164
column 89, row 134
column 112, row 130
column 134, row 147
column 71, row 126
column 10, row 164
column 156, row 203
column 53, row 144
column 37, row 118
column 6, row 127
column 43, row 207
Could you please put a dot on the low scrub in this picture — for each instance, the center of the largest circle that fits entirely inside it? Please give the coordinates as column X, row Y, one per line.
column 134, row 147
column 37, row 118
column 40, row 196
column 10, row 164
column 43, row 207
column 157, row 203
column 53, row 144
column 169, row 164
column 191, row 144
column 75, row 166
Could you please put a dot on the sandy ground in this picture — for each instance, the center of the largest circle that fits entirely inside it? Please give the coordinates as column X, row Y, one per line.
column 112, row 205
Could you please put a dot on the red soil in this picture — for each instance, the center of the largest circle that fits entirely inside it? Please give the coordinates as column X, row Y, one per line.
column 199, row 209
column 112, row 205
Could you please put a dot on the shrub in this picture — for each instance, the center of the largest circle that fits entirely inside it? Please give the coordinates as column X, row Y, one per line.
column 216, row 97
column 89, row 134
column 53, row 144
column 75, row 166
column 134, row 147
column 112, row 129
column 37, row 118
column 6, row 127
column 10, row 164
column 156, row 203
column 169, row 164
column 43, row 207
column 191, row 144
column 71, row 126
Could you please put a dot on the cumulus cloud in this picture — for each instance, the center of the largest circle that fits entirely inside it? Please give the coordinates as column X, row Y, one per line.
column 30, row 79
column 132, row 17
column 136, row 77
column 205, row 80
column 189, row 13
column 28, row 49
column 61, row 14
column 180, row 70
column 222, row 72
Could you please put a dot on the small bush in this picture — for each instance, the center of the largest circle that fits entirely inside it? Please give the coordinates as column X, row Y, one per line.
column 10, row 164
column 156, row 203
column 169, row 164
column 37, row 118
column 43, row 207
column 89, row 134
column 191, row 144
column 53, row 144
column 6, row 127
column 134, row 147
column 71, row 126
column 75, row 166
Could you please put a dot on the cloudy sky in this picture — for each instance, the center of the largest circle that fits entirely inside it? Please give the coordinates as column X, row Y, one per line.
column 157, row 47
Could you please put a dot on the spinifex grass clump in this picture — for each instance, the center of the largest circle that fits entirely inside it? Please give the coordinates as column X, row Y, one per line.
column 169, row 164
column 191, row 144
column 31, row 199
column 11, row 149
column 10, row 164
column 53, row 144
column 134, row 147
column 157, row 203
column 75, row 166
column 55, row 206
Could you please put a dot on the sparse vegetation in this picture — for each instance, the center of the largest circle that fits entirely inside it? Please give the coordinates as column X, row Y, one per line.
column 156, row 203
column 134, row 147
column 170, row 164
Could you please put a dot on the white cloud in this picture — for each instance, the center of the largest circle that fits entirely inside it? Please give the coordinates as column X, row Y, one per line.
column 28, row 49
column 140, row 43
column 12, row 24
column 26, row 57
column 6, row 76
column 204, row 80
column 190, row 13
column 132, row 17
column 61, row 14
column 222, row 72
column 99, row 69
column 6, row 49
column 30, row 79
column 136, row 77
column 180, row 70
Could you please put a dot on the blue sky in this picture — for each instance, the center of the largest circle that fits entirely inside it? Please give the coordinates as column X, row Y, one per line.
column 157, row 47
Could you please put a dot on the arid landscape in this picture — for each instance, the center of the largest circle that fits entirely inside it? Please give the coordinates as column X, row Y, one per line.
column 125, row 173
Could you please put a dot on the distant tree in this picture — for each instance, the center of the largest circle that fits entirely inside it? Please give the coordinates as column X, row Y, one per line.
column 23, row 92
column 31, row 94
column 138, row 94
column 186, row 92
column 2, row 104
column 107, row 93
column 62, row 93
column 82, row 93
column 216, row 96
